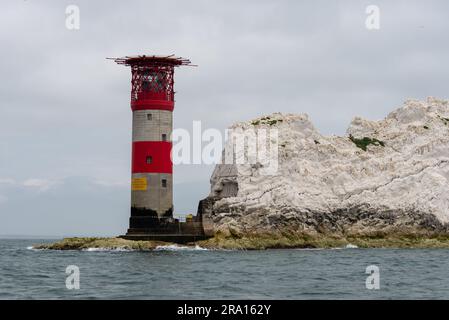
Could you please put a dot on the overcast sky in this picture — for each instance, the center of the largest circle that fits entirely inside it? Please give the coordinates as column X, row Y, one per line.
column 65, row 120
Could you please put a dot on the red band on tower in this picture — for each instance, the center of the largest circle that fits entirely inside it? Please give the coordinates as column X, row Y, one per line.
column 152, row 157
column 152, row 105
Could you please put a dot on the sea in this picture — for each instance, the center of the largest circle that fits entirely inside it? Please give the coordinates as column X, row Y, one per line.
column 179, row 272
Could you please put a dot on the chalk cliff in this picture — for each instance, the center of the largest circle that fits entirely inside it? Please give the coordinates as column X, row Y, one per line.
column 383, row 176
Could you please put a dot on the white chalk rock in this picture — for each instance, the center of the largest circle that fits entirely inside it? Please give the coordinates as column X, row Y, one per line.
column 390, row 175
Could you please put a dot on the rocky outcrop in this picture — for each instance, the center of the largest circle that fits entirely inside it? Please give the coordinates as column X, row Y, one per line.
column 384, row 176
column 99, row 244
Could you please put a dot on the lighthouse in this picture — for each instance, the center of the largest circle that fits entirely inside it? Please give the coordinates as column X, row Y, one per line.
column 152, row 105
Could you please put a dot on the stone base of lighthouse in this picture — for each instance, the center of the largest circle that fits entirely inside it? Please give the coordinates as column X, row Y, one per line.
column 144, row 226
column 152, row 212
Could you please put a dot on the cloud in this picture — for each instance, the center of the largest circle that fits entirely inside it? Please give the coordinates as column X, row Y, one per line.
column 110, row 183
column 41, row 184
column 7, row 181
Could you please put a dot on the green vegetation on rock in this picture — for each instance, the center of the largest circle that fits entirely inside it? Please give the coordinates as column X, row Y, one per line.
column 266, row 120
column 365, row 142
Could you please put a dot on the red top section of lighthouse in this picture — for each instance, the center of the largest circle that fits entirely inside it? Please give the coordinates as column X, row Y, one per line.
column 152, row 80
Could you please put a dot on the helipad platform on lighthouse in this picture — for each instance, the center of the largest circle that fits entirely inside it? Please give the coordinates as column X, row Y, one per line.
column 137, row 59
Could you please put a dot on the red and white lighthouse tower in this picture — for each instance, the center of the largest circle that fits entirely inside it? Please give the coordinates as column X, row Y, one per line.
column 152, row 104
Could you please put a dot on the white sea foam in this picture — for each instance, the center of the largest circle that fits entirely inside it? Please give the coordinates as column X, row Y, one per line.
column 35, row 249
column 174, row 247
column 308, row 249
column 31, row 248
column 348, row 246
column 108, row 249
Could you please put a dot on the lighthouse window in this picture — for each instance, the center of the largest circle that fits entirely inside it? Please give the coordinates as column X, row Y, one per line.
column 164, row 183
column 152, row 81
column 149, row 160
column 164, row 137
column 149, row 116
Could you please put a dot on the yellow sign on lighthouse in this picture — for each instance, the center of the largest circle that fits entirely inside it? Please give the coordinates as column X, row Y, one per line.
column 139, row 184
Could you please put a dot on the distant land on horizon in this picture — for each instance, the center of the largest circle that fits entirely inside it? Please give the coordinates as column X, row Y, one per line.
column 25, row 237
